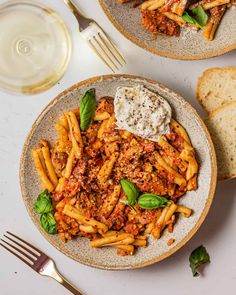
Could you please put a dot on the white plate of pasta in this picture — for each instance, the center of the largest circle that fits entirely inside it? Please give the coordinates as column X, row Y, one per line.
column 107, row 197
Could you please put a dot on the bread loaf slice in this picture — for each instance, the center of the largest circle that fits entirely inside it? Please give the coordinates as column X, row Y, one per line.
column 221, row 124
column 216, row 87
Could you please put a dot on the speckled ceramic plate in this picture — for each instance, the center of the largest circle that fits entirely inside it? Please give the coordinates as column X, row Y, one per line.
column 190, row 44
column 199, row 200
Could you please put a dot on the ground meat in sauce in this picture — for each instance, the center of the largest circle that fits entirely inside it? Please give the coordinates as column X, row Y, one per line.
column 156, row 22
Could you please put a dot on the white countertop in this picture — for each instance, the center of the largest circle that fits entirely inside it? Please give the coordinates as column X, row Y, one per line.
column 171, row 276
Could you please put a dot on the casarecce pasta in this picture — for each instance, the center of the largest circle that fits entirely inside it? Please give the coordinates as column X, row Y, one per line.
column 83, row 171
column 168, row 16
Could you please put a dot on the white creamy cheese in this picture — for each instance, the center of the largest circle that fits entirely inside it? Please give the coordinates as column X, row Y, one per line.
column 142, row 112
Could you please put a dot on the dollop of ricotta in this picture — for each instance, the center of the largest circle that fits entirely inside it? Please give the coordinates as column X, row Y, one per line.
column 142, row 112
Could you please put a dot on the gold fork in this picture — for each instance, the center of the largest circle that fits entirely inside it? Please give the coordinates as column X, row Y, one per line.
column 97, row 39
column 35, row 259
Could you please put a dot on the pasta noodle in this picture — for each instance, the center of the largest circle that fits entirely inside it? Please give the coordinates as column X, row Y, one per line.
column 172, row 155
column 171, row 210
column 62, row 132
column 100, row 116
column 213, row 23
column 193, row 166
column 87, row 229
column 106, row 169
column 178, row 178
column 40, row 154
column 69, row 165
column 160, row 224
column 75, row 134
column 41, row 172
column 75, row 213
column 140, row 243
column 156, row 4
column 175, row 18
column 61, row 185
column 127, row 248
column 49, row 166
column 63, row 122
column 179, row 130
column 122, row 239
column 215, row 3
column 184, row 210
column 179, row 7
column 110, row 202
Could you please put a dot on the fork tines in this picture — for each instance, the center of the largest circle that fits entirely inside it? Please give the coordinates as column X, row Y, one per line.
column 21, row 249
column 36, row 259
column 103, row 47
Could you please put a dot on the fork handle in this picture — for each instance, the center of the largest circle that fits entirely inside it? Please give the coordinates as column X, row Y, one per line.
column 68, row 286
column 81, row 19
column 60, row 279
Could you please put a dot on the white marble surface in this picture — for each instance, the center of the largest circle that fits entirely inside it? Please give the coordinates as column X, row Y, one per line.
column 171, row 276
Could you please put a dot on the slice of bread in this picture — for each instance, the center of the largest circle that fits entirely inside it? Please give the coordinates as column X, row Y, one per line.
column 216, row 87
column 221, row 124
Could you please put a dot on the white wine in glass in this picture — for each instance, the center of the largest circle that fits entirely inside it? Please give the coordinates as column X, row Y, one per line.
column 35, row 47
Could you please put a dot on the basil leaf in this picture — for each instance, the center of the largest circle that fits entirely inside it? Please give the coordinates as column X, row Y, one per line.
column 48, row 223
column 43, row 203
column 196, row 16
column 188, row 18
column 198, row 257
column 200, row 15
column 131, row 191
column 87, row 109
column 152, row 201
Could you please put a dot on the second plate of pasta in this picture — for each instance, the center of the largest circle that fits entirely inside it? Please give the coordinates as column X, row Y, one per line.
column 168, row 28
column 89, row 169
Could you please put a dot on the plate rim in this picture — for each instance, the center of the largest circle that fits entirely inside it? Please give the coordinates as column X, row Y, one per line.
column 156, row 51
column 177, row 246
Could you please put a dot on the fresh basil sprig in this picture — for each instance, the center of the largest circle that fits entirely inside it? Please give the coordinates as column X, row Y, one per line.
column 196, row 16
column 48, row 223
column 87, row 109
column 43, row 206
column 145, row 201
column 43, row 203
column 198, row 257
column 131, row 191
column 152, row 201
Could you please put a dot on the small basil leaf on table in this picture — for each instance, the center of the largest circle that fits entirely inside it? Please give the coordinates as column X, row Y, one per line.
column 198, row 257
column 152, row 201
column 48, row 223
column 131, row 191
column 87, row 109
column 43, row 203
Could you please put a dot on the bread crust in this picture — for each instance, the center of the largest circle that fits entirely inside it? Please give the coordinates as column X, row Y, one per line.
column 211, row 115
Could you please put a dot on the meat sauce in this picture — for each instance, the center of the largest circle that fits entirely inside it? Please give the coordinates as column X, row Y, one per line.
column 133, row 162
